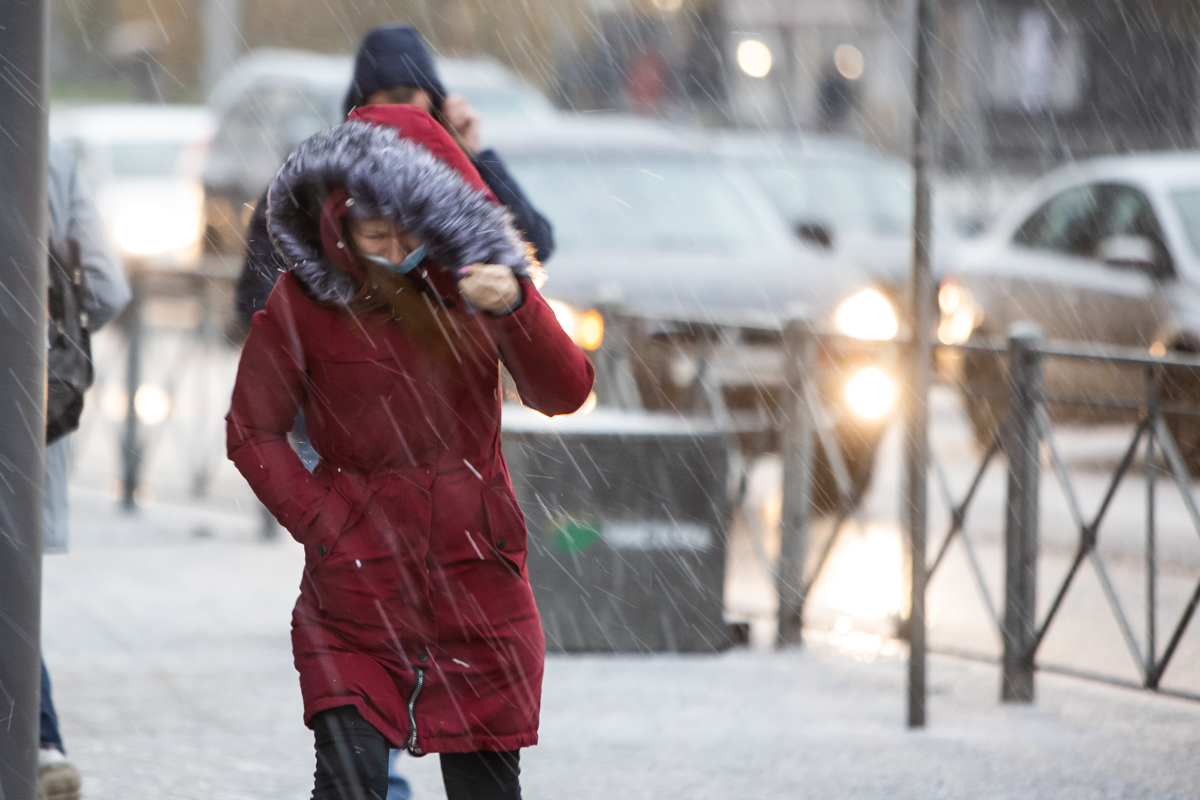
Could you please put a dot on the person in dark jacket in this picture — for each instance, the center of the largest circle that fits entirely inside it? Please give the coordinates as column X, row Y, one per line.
column 406, row 288
column 394, row 67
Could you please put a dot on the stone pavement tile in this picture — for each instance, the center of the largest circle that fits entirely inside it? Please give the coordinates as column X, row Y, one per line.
column 173, row 675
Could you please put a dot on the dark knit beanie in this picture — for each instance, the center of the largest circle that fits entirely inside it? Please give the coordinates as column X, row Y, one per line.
column 395, row 55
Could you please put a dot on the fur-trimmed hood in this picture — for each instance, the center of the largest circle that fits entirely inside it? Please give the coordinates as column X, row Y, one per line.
column 398, row 164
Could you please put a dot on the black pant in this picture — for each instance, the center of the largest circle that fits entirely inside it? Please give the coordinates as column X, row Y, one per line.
column 49, row 735
column 352, row 764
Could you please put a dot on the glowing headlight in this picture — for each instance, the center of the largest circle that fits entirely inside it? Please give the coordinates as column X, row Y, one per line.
column 586, row 328
column 867, row 315
column 960, row 313
column 146, row 228
column 871, row 393
column 152, row 404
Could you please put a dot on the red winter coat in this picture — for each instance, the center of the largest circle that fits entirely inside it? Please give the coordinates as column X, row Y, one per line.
column 415, row 601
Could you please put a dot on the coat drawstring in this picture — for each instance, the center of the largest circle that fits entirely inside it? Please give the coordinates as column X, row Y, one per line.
column 411, row 744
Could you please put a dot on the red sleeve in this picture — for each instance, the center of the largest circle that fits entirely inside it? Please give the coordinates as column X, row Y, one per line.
column 270, row 389
column 552, row 374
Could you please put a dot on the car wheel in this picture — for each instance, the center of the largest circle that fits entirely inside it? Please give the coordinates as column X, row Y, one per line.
column 984, row 387
column 1181, row 388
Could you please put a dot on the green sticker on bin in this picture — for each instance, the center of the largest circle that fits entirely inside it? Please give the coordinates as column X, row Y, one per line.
column 574, row 536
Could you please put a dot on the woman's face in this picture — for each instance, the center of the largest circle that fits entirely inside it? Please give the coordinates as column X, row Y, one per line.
column 378, row 237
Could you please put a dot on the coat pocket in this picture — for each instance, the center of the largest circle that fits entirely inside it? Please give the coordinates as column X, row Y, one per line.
column 325, row 528
column 506, row 526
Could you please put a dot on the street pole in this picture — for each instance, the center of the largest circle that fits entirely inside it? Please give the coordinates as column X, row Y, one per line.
column 23, row 214
column 920, row 353
column 799, row 460
column 131, row 445
column 1022, row 448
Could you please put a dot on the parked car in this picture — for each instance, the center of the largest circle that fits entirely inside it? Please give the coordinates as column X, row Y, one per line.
column 272, row 99
column 843, row 196
column 1103, row 251
column 143, row 164
column 647, row 220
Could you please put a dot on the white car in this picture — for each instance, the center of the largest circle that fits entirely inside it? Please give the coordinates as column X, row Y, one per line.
column 843, row 196
column 649, row 219
column 1104, row 251
column 273, row 99
column 143, row 164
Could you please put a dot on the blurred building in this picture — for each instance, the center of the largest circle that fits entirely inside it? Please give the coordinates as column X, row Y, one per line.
column 1025, row 83
column 1032, row 84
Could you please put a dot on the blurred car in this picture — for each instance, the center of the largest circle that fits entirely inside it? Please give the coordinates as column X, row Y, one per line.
column 273, row 99
column 143, row 164
column 1104, row 251
column 647, row 220
column 843, row 196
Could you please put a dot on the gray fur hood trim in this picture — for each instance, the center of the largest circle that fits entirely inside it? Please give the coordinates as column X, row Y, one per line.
column 390, row 178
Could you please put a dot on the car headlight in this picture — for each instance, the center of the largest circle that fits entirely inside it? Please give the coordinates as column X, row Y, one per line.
column 586, row 328
column 871, row 393
column 148, row 228
column 867, row 315
column 961, row 315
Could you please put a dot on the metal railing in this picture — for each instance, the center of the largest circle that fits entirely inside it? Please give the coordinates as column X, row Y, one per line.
column 1024, row 435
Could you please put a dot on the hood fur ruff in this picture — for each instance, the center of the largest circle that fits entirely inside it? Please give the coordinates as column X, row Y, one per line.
column 391, row 178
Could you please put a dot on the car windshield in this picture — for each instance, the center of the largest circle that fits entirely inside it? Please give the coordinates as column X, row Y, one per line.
column 844, row 193
column 652, row 203
column 493, row 102
column 145, row 159
column 1187, row 203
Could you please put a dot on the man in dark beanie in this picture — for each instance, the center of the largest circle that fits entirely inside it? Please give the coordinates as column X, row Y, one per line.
column 394, row 67
column 392, row 57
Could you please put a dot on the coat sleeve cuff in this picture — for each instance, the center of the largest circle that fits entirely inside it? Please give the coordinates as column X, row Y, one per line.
column 517, row 304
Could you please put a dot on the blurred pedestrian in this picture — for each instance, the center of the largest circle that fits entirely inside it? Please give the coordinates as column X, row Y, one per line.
column 836, row 101
column 407, row 286
column 394, row 67
column 87, row 289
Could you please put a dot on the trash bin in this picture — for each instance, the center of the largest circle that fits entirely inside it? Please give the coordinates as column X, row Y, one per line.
column 627, row 516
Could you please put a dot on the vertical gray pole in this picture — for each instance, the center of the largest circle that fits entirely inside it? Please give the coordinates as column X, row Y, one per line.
column 786, row 78
column 23, row 213
column 920, row 354
column 615, row 382
column 1022, row 442
column 223, row 41
column 1151, row 531
column 131, row 444
column 799, row 458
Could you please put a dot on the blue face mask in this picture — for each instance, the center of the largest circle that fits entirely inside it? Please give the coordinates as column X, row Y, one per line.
column 406, row 266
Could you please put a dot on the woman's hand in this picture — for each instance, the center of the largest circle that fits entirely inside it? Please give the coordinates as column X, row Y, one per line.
column 463, row 121
column 489, row 287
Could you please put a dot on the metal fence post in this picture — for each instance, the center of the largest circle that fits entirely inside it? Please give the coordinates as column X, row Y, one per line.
column 131, row 445
column 799, row 462
column 920, row 354
column 23, row 273
column 1022, row 445
column 615, row 382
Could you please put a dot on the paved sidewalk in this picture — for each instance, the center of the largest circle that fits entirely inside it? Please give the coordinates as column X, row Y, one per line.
column 167, row 637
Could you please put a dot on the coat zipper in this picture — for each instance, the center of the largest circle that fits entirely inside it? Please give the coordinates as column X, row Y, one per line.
column 411, row 744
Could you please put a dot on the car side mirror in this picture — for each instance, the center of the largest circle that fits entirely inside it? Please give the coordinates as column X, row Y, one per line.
column 817, row 233
column 1130, row 252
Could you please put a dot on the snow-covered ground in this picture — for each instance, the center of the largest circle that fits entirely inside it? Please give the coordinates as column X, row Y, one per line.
column 166, row 633
column 167, row 636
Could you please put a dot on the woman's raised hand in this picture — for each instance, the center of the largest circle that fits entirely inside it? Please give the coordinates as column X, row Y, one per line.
column 463, row 121
column 489, row 287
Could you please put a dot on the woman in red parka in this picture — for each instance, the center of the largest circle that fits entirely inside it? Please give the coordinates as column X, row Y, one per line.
column 416, row 626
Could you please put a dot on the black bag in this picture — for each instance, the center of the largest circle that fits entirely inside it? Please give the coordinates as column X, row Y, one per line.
column 69, row 348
